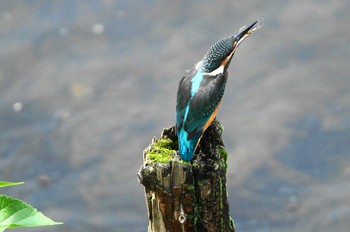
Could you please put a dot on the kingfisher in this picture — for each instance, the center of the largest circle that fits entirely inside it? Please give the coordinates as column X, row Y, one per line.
column 201, row 90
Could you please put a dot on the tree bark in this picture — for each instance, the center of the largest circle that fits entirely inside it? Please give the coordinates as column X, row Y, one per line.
column 183, row 196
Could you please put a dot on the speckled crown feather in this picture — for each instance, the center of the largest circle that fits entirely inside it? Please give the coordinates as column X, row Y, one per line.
column 217, row 53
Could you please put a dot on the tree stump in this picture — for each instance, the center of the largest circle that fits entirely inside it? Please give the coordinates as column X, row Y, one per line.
column 186, row 196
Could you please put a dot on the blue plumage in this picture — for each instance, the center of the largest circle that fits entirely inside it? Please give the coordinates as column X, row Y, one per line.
column 200, row 96
column 187, row 146
column 196, row 82
column 200, row 92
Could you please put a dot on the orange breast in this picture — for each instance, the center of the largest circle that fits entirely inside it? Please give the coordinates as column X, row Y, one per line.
column 213, row 115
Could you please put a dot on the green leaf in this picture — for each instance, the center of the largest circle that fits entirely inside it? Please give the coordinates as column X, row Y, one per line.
column 5, row 184
column 16, row 213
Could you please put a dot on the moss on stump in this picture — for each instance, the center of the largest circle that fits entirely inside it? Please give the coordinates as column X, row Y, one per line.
column 186, row 196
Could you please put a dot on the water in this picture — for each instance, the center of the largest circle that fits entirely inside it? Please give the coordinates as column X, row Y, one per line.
column 84, row 86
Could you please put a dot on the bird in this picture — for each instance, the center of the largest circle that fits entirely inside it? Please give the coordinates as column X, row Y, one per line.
column 201, row 89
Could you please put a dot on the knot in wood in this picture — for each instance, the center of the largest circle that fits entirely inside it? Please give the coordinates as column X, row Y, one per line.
column 182, row 218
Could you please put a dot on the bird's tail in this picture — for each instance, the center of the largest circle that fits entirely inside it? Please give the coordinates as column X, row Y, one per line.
column 187, row 147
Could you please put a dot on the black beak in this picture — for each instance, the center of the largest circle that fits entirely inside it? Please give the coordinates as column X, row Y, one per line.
column 247, row 30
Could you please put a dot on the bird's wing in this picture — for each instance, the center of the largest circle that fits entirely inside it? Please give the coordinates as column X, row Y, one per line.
column 183, row 97
column 204, row 102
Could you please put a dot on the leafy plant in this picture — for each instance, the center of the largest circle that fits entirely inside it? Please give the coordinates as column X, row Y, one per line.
column 16, row 213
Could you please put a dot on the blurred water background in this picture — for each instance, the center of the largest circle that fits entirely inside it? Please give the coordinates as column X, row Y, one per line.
column 85, row 85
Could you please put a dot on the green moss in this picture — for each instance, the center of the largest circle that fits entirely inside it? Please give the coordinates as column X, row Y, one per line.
column 162, row 151
column 197, row 216
column 165, row 143
column 159, row 157
column 223, row 153
column 190, row 187
column 185, row 162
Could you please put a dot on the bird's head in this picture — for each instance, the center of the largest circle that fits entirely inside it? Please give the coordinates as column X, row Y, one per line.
column 220, row 54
